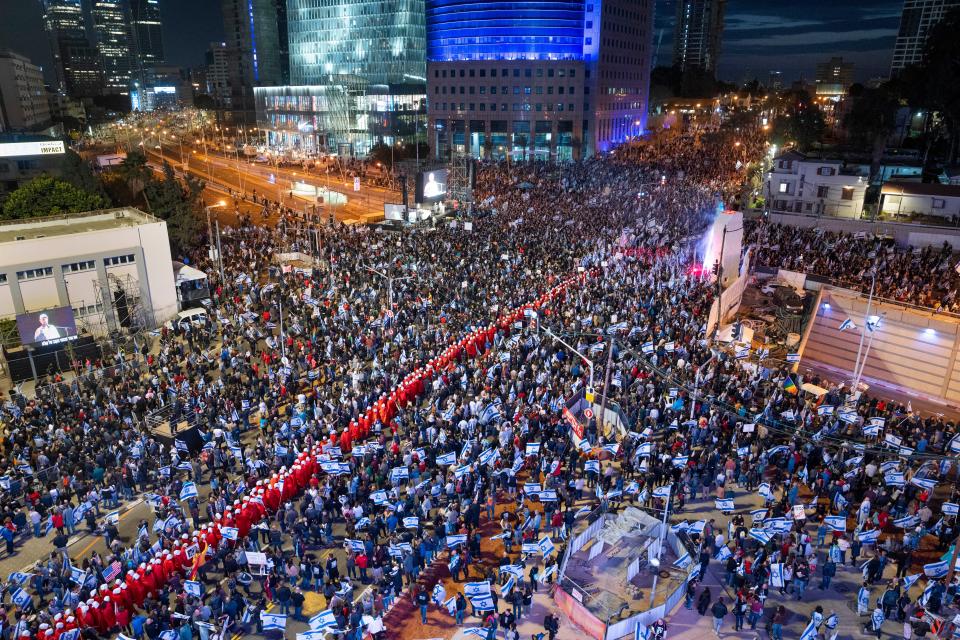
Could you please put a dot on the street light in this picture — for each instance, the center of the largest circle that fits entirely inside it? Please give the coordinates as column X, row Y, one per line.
column 219, row 204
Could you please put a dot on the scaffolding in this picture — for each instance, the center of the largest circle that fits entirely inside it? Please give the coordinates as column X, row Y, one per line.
column 120, row 309
column 459, row 179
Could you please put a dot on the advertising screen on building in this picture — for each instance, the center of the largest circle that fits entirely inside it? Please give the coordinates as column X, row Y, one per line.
column 47, row 327
column 44, row 148
column 432, row 186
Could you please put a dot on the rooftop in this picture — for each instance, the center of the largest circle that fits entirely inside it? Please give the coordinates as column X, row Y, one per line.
column 900, row 188
column 71, row 223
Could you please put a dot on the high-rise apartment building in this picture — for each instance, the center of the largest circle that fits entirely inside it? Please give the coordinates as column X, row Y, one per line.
column 23, row 98
column 218, row 74
column 696, row 36
column 381, row 41
column 918, row 17
column 76, row 62
column 834, row 76
column 253, row 41
column 554, row 79
column 146, row 28
column 114, row 39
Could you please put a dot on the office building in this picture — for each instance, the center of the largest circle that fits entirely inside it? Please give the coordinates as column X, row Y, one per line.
column 382, row 41
column 23, row 97
column 114, row 39
column 253, row 43
column 112, row 267
column 146, row 28
column 833, row 77
column 698, row 27
column 25, row 156
column 76, row 63
column 357, row 73
column 218, row 74
column 525, row 80
column 916, row 21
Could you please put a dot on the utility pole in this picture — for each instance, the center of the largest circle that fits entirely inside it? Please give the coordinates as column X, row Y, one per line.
column 564, row 343
column 663, row 531
column 606, row 385
column 863, row 331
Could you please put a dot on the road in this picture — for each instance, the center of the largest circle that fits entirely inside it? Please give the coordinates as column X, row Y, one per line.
column 275, row 183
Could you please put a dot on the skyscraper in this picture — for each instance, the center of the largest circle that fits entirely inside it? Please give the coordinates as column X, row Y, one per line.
column 253, row 41
column 76, row 63
column 696, row 36
column 381, row 41
column 555, row 79
column 112, row 32
column 918, row 17
column 146, row 28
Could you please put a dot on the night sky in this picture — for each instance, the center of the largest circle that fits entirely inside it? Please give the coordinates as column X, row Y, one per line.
column 760, row 35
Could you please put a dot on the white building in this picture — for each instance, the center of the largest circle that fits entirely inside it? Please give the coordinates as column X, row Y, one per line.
column 814, row 186
column 113, row 267
column 907, row 200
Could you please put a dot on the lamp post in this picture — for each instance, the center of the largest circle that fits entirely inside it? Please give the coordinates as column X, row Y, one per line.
column 568, row 346
column 390, row 280
column 210, row 239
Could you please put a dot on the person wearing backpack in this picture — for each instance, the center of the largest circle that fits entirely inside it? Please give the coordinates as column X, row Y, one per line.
column 719, row 610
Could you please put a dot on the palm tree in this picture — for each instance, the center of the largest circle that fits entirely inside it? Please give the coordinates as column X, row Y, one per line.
column 136, row 173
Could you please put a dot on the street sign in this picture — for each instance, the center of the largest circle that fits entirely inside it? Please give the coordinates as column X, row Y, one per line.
column 356, row 183
column 588, row 413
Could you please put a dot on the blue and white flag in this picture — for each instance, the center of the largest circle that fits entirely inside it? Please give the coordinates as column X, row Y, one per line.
column 473, row 589
column 547, row 495
column 273, row 621
column 793, row 357
column 662, row 492
column 545, row 544
column 680, row 462
column 810, row 633
column 532, row 449
column 924, row 483
column 19, row 578
column 644, row 450
column 612, row 449
column 950, row 508
column 825, row 410
column 894, row 478
column 847, row 324
column 482, row 603
column 647, row 348
column 908, row 581
column 683, row 561
column 907, row 522
column 21, row 598
column 936, row 569
column 758, row 515
column 765, row 491
column 776, row 575
column 836, row 523
column 869, row 537
column 379, row 497
column 507, row 586
column 723, row 553
column 760, row 535
column 724, row 504
column 189, row 490
column 323, row 620
column 354, row 545
column 192, row 588
column 582, row 511
column 229, row 533
column 456, row 540
column 641, row 632
column 592, row 466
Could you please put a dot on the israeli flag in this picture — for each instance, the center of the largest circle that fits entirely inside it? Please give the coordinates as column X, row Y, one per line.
column 501, row 536
column 189, row 490
column 507, row 587
column 411, row 523
column 680, row 462
column 549, row 571
column 546, row 546
column 582, row 511
column 872, row 430
column 21, row 598
column 758, row 514
column 697, row 527
column 936, row 569
column 482, row 603
column 662, row 492
column 765, row 491
column 362, row 523
column 73, row 634
column 847, row 324
column 825, row 410
column 354, row 545
column 724, row 504
column 192, row 588
column 776, row 575
column 924, row 483
column 399, row 473
column 760, row 535
column 323, row 620
column 909, row 581
column 528, row 548
column 895, row 479
column 613, row 449
column 645, row 450
column 950, row 508
column 641, row 632
column 723, row 553
column 19, row 578
column 954, row 444
column 273, row 621
column 592, row 466
column 547, row 495
column 489, row 456
column 793, row 357
column 473, row 589
column 456, row 540
column 869, row 537
column 181, row 445
column 379, row 498
column 512, row 569
column 229, row 533
column 907, row 522
column 836, row 523
column 683, row 561
column 532, row 449
column 810, row 633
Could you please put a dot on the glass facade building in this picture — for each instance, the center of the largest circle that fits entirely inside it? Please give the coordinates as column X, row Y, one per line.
column 112, row 31
column 531, row 30
column 381, row 41
column 76, row 62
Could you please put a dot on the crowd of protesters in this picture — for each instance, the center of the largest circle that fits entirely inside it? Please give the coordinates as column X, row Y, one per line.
column 923, row 276
column 393, row 420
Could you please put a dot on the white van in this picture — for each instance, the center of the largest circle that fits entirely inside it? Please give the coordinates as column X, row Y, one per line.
column 196, row 317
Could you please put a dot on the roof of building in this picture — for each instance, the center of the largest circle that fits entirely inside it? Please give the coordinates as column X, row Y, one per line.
column 61, row 225
column 902, row 188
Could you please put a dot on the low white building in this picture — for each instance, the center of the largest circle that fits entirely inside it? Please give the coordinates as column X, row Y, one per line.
column 907, row 200
column 112, row 267
column 814, row 186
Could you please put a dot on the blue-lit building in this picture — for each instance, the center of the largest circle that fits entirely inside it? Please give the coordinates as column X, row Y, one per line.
column 551, row 79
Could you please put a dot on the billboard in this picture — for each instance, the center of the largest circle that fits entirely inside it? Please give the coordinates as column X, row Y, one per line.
column 393, row 211
column 46, row 147
column 432, row 186
column 47, row 327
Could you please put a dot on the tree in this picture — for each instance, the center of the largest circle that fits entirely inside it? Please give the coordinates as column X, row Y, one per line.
column 179, row 204
column 77, row 172
column 870, row 121
column 205, row 102
column 135, row 171
column 799, row 120
column 46, row 196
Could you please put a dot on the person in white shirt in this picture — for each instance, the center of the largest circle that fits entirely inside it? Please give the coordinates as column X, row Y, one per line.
column 45, row 331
